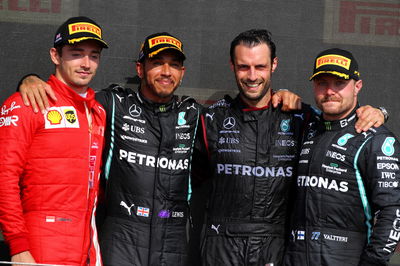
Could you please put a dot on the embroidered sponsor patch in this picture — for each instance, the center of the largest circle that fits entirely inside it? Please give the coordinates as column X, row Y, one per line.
column 142, row 211
column 165, row 40
column 84, row 27
column 337, row 60
column 61, row 117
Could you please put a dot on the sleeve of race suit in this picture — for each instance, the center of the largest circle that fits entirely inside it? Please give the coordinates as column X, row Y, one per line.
column 379, row 165
column 17, row 127
column 200, row 163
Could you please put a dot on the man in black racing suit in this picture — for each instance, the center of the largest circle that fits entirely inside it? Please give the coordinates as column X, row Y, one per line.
column 252, row 154
column 347, row 203
column 150, row 137
column 250, row 150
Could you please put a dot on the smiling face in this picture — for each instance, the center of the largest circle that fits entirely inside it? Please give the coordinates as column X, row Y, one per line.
column 161, row 75
column 336, row 97
column 253, row 70
column 77, row 64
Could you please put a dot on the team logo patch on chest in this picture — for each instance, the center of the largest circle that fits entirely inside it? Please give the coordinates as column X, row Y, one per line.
column 61, row 117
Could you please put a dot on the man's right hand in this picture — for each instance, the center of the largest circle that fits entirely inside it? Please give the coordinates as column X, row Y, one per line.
column 34, row 92
column 24, row 256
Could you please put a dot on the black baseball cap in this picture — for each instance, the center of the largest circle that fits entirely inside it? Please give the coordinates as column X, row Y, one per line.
column 337, row 62
column 157, row 42
column 78, row 29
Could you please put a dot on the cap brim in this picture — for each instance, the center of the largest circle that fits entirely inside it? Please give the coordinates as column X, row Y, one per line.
column 77, row 40
column 335, row 73
column 168, row 48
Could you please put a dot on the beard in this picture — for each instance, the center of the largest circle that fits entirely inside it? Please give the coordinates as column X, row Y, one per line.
column 253, row 97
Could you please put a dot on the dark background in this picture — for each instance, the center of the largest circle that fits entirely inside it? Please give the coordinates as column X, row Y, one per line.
column 300, row 30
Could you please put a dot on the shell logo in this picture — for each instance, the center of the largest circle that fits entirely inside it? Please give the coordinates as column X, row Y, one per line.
column 54, row 117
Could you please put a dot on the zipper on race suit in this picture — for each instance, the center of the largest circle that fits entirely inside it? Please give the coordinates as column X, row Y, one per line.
column 92, row 154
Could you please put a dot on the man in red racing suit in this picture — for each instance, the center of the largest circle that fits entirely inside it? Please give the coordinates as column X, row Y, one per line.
column 49, row 163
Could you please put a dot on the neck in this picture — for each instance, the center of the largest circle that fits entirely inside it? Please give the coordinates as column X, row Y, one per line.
column 77, row 89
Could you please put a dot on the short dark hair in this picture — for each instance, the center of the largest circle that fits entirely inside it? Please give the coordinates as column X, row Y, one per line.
column 253, row 38
column 59, row 49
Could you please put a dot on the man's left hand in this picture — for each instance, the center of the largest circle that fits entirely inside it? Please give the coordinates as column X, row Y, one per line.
column 368, row 117
column 289, row 100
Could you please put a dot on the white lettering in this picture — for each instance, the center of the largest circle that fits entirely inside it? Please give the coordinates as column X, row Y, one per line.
column 8, row 120
column 151, row 161
column 394, row 235
column 336, row 155
column 388, row 175
column 321, row 182
column 389, row 166
column 259, row 171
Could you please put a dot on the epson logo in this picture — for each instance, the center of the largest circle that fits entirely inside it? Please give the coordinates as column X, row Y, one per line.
column 394, row 235
column 322, row 182
column 335, row 155
column 151, row 161
column 389, row 166
column 259, row 171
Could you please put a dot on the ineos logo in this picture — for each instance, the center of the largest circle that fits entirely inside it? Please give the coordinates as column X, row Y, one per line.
column 229, row 122
column 135, row 111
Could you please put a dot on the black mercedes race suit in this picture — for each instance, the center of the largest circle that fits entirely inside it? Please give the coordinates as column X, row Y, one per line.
column 147, row 168
column 251, row 154
column 347, row 205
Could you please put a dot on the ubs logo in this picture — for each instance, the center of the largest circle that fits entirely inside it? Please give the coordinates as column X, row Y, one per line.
column 229, row 122
column 135, row 111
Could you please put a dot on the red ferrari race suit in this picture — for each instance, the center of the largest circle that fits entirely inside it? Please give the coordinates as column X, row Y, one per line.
column 49, row 172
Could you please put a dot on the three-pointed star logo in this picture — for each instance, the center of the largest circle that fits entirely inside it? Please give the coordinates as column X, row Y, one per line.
column 135, row 111
column 229, row 122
